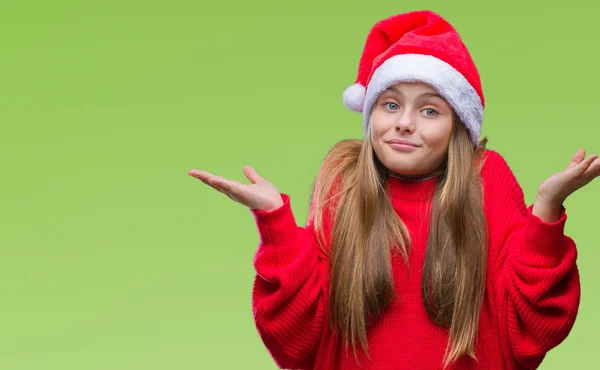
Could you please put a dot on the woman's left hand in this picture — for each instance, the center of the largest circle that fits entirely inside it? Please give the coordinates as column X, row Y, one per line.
column 556, row 188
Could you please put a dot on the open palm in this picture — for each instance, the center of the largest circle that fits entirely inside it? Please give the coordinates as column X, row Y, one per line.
column 259, row 195
column 556, row 188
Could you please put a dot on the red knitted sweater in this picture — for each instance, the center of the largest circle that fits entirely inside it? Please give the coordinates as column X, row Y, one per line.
column 530, row 303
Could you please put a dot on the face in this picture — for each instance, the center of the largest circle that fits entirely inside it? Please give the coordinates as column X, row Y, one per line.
column 413, row 113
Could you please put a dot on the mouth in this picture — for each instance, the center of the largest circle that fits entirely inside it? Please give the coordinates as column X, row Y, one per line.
column 402, row 142
column 402, row 146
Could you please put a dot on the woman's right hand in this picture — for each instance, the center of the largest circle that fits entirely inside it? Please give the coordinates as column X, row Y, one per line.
column 260, row 195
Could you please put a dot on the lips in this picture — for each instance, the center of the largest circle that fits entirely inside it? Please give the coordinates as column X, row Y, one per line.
column 402, row 142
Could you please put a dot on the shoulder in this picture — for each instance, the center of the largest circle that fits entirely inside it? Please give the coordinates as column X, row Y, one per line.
column 496, row 168
column 500, row 183
column 492, row 160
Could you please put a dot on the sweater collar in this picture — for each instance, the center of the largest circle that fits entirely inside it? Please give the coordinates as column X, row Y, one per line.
column 418, row 189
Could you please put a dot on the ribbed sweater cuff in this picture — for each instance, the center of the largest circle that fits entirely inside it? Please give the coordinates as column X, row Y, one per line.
column 543, row 242
column 277, row 227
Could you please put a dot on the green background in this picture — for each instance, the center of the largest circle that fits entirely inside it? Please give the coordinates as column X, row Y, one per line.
column 112, row 257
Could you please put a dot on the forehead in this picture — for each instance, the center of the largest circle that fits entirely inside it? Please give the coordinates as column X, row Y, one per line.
column 411, row 88
column 413, row 91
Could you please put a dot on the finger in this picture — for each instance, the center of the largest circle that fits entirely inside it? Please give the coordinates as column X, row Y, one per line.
column 221, row 187
column 594, row 169
column 201, row 175
column 585, row 164
column 232, row 188
column 577, row 158
column 213, row 185
column 252, row 175
column 220, row 182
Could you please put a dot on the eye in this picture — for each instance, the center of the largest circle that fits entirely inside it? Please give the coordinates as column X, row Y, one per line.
column 430, row 112
column 391, row 105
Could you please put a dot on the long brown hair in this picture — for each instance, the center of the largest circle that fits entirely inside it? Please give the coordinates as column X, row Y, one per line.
column 351, row 185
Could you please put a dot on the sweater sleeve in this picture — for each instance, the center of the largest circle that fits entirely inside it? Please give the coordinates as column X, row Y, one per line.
column 288, row 296
column 535, row 276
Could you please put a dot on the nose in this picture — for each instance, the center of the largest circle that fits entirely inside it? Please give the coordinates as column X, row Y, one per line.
column 406, row 122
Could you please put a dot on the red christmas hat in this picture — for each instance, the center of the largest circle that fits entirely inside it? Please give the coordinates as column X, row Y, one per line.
column 418, row 46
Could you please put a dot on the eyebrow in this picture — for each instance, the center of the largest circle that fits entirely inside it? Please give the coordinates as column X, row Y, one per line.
column 429, row 94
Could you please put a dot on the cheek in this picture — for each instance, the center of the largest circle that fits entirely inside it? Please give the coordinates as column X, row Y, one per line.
column 378, row 129
column 437, row 139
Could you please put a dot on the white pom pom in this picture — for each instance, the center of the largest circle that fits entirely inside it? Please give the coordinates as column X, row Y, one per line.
column 354, row 97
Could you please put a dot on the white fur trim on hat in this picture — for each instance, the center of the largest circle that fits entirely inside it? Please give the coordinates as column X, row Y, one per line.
column 448, row 82
column 354, row 97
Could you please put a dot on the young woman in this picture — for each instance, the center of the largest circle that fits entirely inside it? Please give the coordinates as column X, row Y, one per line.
column 419, row 251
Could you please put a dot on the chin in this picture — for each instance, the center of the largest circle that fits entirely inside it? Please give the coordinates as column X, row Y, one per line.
column 409, row 173
column 405, row 171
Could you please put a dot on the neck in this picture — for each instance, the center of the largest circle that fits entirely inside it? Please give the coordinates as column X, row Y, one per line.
column 416, row 177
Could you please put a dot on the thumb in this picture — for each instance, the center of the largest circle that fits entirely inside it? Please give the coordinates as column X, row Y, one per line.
column 252, row 175
column 577, row 158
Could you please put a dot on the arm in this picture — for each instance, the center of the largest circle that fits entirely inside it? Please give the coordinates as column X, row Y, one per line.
column 288, row 296
column 535, row 278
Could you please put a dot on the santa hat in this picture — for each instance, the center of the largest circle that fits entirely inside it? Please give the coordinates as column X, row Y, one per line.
column 418, row 46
